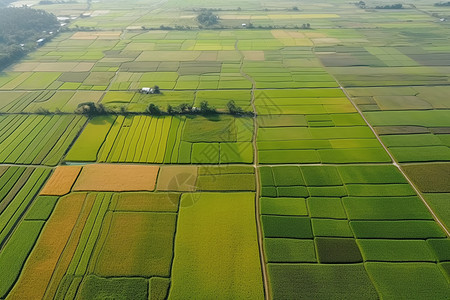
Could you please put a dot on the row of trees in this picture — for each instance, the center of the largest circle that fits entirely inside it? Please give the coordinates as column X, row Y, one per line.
column 392, row 6
column 207, row 18
column 94, row 109
column 440, row 4
column 362, row 4
column 204, row 109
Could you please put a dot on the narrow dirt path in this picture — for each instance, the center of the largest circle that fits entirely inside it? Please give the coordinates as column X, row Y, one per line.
column 395, row 162
column 255, row 165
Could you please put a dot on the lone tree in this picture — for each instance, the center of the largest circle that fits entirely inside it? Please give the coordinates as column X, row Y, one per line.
column 154, row 110
column 206, row 109
column 156, row 90
column 306, row 26
column 207, row 18
column 234, row 109
column 170, row 109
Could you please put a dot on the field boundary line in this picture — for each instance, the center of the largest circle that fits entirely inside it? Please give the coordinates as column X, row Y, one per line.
column 395, row 162
column 266, row 286
column 397, row 165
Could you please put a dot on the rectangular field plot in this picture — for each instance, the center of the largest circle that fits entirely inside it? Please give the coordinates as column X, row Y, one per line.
column 412, row 280
column 414, row 136
column 302, row 102
column 37, row 139
column 138, row 233
column 220, row 242
column 333, row 138
column 320, row 281
column 225, row 179
column 108, row 177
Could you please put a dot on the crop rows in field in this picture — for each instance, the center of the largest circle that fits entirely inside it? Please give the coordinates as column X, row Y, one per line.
column 37, row 139
column 145, row 139
column 313, row 126
column 42, row 101
column 324, row 219
column 19, row 187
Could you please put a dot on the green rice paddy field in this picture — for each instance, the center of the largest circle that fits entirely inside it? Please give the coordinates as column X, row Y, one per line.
column 338, row 186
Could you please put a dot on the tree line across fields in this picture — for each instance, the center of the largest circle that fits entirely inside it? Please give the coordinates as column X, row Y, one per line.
column 94, row 109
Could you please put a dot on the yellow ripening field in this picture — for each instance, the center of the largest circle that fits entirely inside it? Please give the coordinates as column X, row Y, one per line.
column 117, row 178
column 61, row 181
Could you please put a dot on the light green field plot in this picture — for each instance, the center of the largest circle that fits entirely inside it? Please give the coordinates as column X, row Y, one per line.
column 91, row 139
column 145, row 202
column 39, row 80
column 305, row 150
column 131, row 230
column 216, row 265
column 225, row 179
column 289, row 250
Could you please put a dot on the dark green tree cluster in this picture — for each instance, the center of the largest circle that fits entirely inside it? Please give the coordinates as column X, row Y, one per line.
column 204, row 109
column 207, row 18
column 235, row 110
column 182, row 109
column 392, row 6
column 439, row 4
column 20, row 28
column 91, row 109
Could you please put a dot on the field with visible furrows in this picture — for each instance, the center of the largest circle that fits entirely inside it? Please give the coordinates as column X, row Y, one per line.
column 289, row 150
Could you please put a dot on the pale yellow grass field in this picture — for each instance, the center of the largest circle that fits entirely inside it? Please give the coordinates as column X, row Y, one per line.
column 254, row 55
column 177, row 178
column 117, row 178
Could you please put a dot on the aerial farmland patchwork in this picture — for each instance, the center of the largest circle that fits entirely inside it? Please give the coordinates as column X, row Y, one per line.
column 226, row 150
